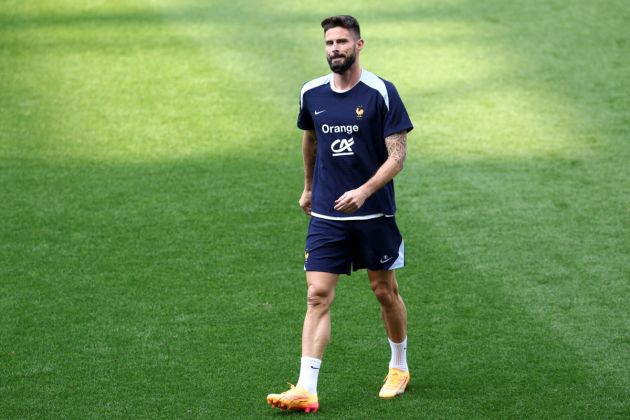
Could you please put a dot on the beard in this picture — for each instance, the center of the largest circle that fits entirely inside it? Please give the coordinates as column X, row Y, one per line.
column 344, row 65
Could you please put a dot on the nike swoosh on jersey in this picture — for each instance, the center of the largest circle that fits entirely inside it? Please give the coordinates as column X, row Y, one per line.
column 319, row 112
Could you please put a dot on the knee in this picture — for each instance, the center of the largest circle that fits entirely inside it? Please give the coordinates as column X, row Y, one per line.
column 385, row 294
column 319, row 298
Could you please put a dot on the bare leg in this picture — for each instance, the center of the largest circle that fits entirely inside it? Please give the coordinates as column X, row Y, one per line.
column 393, row 311
column 315, row 338
column 316, row 331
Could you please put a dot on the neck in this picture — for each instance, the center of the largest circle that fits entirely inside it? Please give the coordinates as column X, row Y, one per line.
column 349, row 78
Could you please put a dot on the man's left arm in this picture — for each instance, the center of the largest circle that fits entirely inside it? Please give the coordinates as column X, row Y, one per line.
column 396, row 145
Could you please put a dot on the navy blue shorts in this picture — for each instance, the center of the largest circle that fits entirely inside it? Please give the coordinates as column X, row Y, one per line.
column 344, row 246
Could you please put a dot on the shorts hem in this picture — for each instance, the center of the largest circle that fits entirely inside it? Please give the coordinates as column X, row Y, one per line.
column 385, row 268
column 328, row 270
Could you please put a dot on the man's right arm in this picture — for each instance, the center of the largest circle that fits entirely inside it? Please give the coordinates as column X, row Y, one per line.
column 309, row 150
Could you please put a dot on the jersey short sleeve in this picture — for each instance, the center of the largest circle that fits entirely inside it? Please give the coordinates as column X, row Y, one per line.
column 304, row 120
column 396, row 118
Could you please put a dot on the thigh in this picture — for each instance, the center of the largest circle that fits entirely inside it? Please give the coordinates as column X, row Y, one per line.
column 321, row 284
column 383, row 279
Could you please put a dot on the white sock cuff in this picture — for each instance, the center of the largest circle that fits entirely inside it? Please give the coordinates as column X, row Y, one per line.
column 316, row 363
column 404, row 342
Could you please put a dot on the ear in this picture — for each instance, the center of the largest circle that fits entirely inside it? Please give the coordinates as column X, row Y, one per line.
column 360, row 44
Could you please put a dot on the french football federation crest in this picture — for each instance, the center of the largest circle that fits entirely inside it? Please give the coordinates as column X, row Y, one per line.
column 360, row 111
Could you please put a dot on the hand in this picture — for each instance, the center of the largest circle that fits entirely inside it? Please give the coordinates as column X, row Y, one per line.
column 305, row 202
column 351, row 201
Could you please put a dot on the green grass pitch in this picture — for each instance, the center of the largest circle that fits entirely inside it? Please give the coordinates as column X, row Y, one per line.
column 151, row 244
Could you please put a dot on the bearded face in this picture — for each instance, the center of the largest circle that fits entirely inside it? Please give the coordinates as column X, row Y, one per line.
column 342, row 49
column 340, row 62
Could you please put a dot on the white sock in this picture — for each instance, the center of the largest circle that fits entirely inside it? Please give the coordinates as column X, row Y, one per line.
column 309, row 371
column 399, row 355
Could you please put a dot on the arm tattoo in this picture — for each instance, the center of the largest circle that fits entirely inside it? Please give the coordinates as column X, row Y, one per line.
column 397, row 147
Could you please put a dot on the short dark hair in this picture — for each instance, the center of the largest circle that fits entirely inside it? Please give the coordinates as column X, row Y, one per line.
column 344, row 21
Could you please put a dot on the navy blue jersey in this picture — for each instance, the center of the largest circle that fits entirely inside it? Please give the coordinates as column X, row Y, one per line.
column 351, row 128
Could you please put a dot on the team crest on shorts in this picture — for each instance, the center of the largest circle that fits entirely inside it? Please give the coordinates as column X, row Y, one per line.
column 305, row 256
column 360, row 112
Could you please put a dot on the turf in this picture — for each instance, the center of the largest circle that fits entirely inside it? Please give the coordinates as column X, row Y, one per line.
column 151, row 243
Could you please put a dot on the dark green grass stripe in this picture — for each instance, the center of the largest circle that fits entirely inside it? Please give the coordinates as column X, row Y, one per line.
column 143, row 295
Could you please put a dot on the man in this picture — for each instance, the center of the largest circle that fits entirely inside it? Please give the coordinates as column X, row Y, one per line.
column 354, row 143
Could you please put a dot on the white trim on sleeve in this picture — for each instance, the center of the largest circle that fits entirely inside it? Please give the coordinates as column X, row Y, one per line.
column 312, row 85
column 376, row 83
